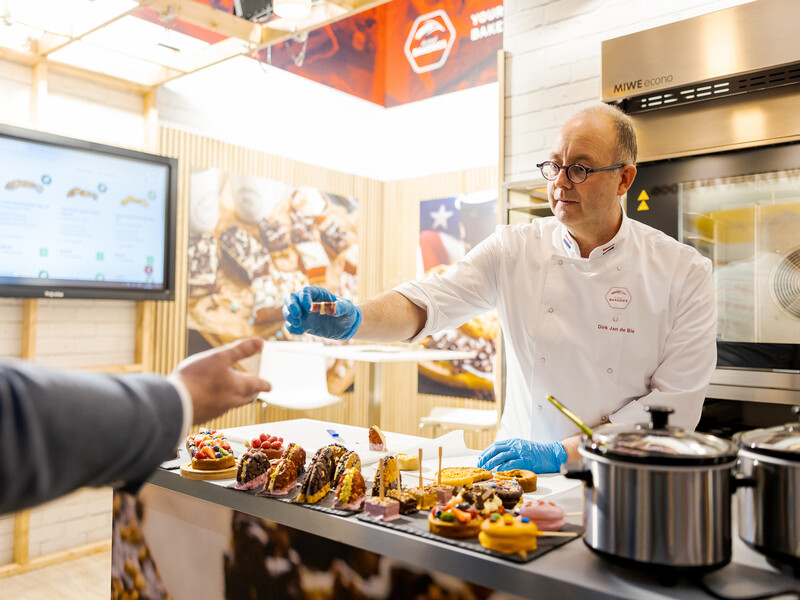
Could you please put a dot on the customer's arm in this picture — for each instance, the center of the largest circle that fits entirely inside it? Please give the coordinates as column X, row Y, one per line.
column 63, row 430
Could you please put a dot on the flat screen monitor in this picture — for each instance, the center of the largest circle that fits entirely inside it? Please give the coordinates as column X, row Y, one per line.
column 85, row 220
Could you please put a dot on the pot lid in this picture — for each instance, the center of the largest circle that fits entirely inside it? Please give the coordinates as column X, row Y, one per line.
column 657, row 442
column 782, row 441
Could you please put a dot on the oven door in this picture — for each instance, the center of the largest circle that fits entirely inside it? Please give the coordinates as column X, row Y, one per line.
column 741, row 209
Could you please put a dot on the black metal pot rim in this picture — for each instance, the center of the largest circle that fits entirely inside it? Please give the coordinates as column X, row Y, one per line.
column 791, row 457
column 671, row 461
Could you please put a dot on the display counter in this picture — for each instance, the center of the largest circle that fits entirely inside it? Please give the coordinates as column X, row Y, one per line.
column 175, row 504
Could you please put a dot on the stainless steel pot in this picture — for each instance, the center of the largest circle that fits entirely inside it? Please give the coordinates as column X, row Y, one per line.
column 657, row 496
column 769, row 511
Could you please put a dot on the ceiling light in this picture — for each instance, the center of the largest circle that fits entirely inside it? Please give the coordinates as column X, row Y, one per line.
column 291, row 9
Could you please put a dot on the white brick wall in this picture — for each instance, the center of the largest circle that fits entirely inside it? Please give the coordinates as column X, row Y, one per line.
column 75, row 520
column 553, row 63
column 6, row 539
column 70, row 333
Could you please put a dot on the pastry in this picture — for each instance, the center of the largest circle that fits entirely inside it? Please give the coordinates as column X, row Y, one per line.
column 270, row 445
column 546, row 515
column 464, row 475
column 316, row 484
column 453, row 522
column 377, row 440
column 300, row 231
column 425, row 497
column 250, row 205
column 483, row 500
column 385, row 509
column 210, row 451
column 391, row 477
column 408, row 462
column 334, row 237
column 271, row 290
column 324, row 308
column 508, row 490
column 348, row 460
column 281, row 478
column 309, row 202
column 297, row 455
column 526, row 479
column 203, row 264
column 245, row 253
column 351, row 491
column 274, row 235
column 251, row 470
column 408, row 502
column 443, row 492
column 313, row 260
column 329, row 455
column 508, row 534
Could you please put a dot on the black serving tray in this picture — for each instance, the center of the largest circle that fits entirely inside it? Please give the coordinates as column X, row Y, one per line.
column 417, row 524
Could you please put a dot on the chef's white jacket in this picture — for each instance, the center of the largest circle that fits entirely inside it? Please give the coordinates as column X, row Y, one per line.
column 630, row 326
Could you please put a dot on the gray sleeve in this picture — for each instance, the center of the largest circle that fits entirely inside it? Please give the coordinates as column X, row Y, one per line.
column 64, row 430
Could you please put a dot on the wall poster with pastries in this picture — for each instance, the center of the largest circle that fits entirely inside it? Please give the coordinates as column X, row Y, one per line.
column 254, row 240
column 449, row 228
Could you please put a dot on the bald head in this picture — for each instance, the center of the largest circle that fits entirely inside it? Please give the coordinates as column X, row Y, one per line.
column 625, row 145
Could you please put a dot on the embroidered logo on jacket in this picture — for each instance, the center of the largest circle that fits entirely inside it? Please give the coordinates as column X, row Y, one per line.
column 618, row 297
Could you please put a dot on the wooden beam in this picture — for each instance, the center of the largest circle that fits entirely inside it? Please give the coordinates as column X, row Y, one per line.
column 54, row 558
column 22, row 527
column 30, row 309
column 129, row 368
column 150, row 109
column 38, row 93
column 145, row 315
column 210, row 18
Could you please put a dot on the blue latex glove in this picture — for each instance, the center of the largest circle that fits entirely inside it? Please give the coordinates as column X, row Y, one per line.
column 341, row 325
column 539, row 457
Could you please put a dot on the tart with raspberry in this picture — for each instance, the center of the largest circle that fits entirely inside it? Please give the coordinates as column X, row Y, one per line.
column 210, row 450
column 270, row 445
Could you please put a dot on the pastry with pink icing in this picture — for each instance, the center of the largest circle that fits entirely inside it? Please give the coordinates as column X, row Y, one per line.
column 546, row 515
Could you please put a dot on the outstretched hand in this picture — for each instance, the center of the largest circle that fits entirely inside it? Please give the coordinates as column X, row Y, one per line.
column 213, row 383
column 516, row 453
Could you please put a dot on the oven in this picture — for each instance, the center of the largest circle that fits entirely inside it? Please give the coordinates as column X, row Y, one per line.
column 715, row 99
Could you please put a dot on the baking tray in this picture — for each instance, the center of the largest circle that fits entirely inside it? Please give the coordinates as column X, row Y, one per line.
column 417, row 524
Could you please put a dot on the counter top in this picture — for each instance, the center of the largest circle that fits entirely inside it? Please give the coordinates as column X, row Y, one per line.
column 571, row 570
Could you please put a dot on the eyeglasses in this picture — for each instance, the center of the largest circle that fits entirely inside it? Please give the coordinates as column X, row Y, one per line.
column 576, row 173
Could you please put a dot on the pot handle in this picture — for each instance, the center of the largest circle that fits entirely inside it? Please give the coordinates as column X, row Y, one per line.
column 740, row 481
column 577, row 470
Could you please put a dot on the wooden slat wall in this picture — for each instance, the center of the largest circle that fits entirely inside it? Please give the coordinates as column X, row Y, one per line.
column 388, row 232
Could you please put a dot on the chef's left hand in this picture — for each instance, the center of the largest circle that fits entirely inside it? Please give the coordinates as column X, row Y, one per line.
column 516, row 453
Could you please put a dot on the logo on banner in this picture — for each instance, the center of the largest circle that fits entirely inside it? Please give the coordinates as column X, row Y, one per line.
column 430, row 41
column 618, row 297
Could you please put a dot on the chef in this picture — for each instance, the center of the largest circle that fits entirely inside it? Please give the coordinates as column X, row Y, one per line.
column 604, row 313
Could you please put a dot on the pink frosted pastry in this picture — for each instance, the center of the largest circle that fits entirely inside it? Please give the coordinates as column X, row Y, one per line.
column 384, row 509
column 546, row 515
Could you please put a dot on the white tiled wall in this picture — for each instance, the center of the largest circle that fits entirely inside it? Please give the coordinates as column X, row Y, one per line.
column 70, row 333
column 75, row 520
column 553, row 63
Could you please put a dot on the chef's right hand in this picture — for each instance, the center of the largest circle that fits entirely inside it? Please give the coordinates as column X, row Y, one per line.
column 342, row 325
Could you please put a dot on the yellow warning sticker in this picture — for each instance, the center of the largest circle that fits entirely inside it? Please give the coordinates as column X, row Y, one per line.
column 643, row 206
column 643, row 196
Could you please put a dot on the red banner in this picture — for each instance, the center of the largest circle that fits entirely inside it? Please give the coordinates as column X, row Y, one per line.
column 399, row 52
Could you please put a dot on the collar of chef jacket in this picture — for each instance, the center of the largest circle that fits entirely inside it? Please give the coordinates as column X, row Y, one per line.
column 567, row 245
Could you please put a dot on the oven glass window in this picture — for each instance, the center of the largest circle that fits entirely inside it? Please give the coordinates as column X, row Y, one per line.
column 749, row 227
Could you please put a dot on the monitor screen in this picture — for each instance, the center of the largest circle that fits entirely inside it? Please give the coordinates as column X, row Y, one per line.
column 84, row 220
